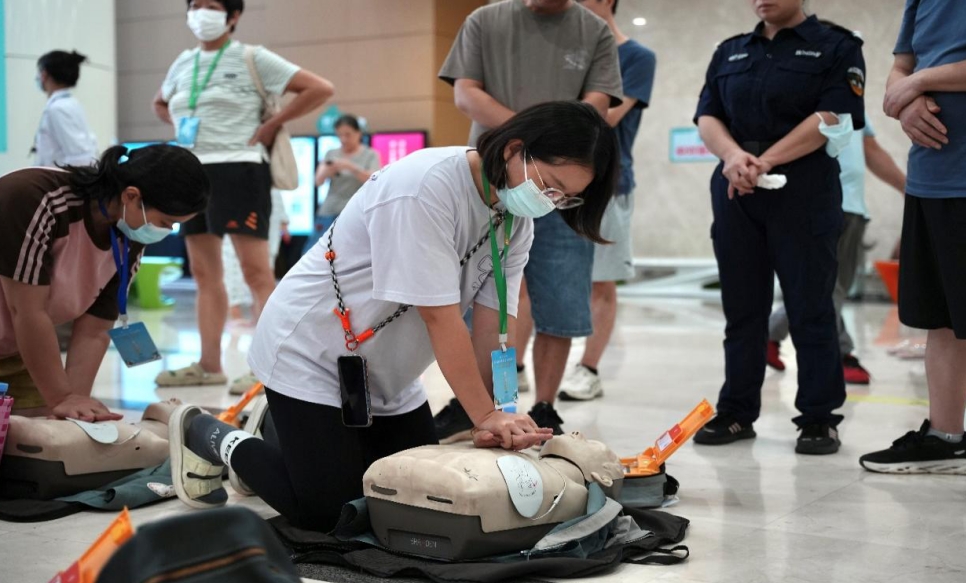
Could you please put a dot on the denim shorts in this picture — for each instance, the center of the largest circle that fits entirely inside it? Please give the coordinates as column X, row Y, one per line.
column 558, row 277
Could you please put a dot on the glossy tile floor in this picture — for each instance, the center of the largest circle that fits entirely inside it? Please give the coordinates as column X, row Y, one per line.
column 759, row 512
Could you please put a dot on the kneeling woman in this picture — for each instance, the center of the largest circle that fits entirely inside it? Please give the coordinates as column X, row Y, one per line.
column 57, row 265
column 420, row 232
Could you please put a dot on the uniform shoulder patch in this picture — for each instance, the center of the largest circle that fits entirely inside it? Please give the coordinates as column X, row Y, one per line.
column 856, row 79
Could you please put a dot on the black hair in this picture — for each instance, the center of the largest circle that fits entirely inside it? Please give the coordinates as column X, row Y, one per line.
column 231, row 7
column 348, row 120
column 613, row 9
column 62, row 67
column 170, row 178
column 559, row 132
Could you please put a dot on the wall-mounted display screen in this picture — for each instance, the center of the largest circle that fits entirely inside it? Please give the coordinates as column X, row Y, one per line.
column 395, row 145
column 299, row 205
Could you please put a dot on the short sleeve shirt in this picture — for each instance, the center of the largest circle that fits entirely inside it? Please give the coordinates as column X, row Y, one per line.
column 763, row 89
column 935, row 32
column 637, row 72
column 344, row 184
column 230, row 108
column 398, row 241
column 852, row 175
column 48, row 240
column 523, row 59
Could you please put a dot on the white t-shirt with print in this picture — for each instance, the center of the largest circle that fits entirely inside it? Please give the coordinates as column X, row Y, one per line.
column 230, row 108
column 399, row 240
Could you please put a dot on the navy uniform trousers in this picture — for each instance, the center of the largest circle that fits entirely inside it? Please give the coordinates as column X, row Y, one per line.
column 792, row 232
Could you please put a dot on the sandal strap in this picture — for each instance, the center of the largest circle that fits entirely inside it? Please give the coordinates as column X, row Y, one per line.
column 209, row 475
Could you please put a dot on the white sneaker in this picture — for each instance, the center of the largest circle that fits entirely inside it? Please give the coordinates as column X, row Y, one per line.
column 523, row 385
column 253, row 426
column 580, row 385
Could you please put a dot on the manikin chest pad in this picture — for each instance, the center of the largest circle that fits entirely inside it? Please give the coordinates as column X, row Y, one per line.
column 506, row 490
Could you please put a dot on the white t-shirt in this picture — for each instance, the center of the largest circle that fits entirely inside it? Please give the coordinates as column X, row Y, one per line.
column 230, row 108
column 398, row 241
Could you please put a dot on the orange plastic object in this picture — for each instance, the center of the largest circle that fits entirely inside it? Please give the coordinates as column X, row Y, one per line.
column 231, row 415
column 649, row 462
column 889, row 272
column 89, row 566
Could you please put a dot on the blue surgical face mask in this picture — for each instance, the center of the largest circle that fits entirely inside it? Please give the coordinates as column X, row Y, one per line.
column 146, row 233
column 838, row 135
column 526, row 199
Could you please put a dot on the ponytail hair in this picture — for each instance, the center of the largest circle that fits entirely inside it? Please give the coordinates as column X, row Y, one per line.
column 170, row 178
column 62, row 67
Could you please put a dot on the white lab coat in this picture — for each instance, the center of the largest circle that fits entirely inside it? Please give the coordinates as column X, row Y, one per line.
column 64, row 136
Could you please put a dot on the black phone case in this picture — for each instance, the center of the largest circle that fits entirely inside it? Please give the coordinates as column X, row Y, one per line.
column 348, row 389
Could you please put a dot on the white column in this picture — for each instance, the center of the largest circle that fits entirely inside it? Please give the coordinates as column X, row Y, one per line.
column 35, row 27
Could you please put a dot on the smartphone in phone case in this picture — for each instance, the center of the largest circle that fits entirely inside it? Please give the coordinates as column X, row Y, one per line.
column 354, row 386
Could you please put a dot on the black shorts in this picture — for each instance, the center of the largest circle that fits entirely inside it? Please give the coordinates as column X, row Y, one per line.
column 932, row 264
column 240, row 203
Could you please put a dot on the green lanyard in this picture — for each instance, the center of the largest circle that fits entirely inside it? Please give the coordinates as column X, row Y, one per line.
column 195, row 89
column 499, row 275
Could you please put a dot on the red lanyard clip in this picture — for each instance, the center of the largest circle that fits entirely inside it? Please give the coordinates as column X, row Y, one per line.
column 352, row 341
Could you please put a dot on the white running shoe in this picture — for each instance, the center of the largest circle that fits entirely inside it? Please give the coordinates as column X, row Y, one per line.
column 580, row 385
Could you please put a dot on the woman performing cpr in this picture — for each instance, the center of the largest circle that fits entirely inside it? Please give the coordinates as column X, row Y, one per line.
column 70, row 242
column 336, row 348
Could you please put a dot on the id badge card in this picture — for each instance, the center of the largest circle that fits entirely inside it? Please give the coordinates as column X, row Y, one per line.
column 187, row 133
column 134, row 344
column 506, row 392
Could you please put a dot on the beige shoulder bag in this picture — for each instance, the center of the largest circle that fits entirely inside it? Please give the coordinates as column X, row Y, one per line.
column 285, row 172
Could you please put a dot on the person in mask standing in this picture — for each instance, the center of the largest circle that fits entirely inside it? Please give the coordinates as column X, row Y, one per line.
column 63, row 137
column 210, row 97
column 781, row 100
column 62, row 233
column 386, row 290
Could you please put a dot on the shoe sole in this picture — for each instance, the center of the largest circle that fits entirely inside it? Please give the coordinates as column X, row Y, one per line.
column 176, row 444
column 775, row 367
column 940, row 467
column 466, row 435
column 731, row 438
column 593, row 394
column 860, row 383
column 252, row 426
column 817, row 451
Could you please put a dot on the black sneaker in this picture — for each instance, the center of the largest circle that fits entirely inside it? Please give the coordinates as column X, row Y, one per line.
column 452, row 423
column 545, row 415
column 818, row 439
column 918, row 453
column 723, row 429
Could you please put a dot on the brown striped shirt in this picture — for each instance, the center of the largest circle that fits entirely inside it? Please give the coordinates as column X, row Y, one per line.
column 47, row 239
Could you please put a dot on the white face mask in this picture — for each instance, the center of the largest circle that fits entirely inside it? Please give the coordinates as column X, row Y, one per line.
column 207, row 24
column 839, row 136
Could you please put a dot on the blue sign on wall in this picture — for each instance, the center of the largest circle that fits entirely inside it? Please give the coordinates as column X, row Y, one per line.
column 3, row 82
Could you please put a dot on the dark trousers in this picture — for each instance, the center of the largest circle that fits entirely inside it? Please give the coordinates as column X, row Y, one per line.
column 318, row 463
column 792, row 232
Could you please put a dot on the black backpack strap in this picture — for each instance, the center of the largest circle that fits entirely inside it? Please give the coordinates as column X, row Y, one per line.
column 669, row 556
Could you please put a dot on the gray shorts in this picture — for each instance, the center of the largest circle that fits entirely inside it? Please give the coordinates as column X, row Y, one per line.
column 614, row 262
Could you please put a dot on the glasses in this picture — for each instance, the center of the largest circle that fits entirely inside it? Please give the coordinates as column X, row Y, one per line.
column 560, row 200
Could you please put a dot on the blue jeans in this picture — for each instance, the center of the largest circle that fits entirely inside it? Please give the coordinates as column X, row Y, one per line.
column 558, row 277
column 322, row 224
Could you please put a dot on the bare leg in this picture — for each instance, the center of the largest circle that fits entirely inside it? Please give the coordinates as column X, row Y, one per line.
column 946, row 374
column 549, row 362
column 524, row 323
column 253, row 256
column 204, row 252
column 603, row 305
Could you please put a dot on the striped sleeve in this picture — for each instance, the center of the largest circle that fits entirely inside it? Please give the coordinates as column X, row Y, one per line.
column 32, row 220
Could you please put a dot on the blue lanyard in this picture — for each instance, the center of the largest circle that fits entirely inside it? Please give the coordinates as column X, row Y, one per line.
column 123, row 264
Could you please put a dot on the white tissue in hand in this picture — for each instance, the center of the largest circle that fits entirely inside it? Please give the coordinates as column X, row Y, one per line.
column 772, row 181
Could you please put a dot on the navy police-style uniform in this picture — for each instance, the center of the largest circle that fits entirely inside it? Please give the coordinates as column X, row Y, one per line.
column 762, row 89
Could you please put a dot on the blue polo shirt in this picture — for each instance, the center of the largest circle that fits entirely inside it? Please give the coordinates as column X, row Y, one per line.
column 935, row 32
column 637, row 72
